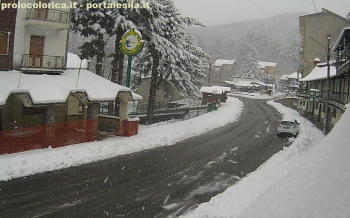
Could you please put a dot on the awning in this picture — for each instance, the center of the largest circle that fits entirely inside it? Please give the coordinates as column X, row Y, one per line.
column 46, row 89
column 319, row 73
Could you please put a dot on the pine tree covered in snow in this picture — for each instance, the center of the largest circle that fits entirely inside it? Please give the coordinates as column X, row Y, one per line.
column 123, row 22
column 291, row 50
column 167, row 55
column 270, row 35
column 97, row 25
column 250, row 66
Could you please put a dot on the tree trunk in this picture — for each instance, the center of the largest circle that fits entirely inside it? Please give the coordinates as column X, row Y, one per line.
column 100, row 55
column 117, row 70
column 120, row 68
column 153, row 89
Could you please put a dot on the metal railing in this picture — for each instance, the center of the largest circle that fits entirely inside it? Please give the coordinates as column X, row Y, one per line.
column 48, row 15
column 43, row 61
column 339, row 97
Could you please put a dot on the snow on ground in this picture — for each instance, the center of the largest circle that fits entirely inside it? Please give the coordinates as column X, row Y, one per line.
column 37, row 161
column 252, row 95
column 240, row 196
column 319, row 186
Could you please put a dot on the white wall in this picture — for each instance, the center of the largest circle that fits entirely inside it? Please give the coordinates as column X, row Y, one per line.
column 55, row 38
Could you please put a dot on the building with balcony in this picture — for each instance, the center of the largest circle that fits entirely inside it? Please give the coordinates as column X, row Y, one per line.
column 314, row 29
column 34, row 40
column 339, row 85
column 46, row 100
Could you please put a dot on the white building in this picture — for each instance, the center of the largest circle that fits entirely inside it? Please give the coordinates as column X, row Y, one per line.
column 39, row 37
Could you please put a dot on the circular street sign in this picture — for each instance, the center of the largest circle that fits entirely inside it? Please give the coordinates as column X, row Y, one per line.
column 131, row 43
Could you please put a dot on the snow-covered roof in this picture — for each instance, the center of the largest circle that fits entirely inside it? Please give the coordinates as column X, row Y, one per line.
column 230, row 82
column 44, row 89
column 284, row 77
column 73, row 62
column 245, row 84
column 250, row 79
column 319, row 73
column 263, row 64
column 294, row 75
column 215, row 89
column 220, row 62
column 340, row 37
column 261, row 83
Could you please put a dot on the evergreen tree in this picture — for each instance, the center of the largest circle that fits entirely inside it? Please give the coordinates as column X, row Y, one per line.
column 291, row 50
column 97, row 25
column 250, row 66
column 165, row 54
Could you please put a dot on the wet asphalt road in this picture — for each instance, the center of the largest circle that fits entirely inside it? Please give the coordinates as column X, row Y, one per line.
column 162, row 182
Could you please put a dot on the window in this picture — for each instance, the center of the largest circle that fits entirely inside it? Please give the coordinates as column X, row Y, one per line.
column 4, row 43
column 32, row 110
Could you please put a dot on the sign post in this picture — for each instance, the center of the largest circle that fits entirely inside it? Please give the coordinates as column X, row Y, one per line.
column 314, row 95
column 131, row 44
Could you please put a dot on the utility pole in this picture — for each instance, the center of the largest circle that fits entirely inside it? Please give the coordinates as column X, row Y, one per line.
column 267, row 78
column 326, row 120
column 209, row 74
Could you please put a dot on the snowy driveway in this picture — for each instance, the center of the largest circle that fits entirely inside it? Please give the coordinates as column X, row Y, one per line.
column 154, row 183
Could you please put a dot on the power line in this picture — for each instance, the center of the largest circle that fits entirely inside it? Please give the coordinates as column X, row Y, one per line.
column 315, row 6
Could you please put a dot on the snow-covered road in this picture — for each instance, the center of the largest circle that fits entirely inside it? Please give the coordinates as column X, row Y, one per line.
column 38, row 161
column 164, row 181
column 240, row 196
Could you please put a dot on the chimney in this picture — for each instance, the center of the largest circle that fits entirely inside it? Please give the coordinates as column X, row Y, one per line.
column 317, row 61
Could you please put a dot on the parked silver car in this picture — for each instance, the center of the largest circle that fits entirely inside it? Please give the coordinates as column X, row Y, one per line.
column 288, row 127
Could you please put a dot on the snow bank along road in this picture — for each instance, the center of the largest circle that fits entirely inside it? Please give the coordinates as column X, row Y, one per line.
column 160, row 182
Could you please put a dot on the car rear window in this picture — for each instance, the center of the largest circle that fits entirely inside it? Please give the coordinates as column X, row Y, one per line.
column 287, row 123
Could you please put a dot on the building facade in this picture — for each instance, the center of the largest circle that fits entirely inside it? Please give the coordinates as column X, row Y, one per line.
column 222, row 70
column 314, row 29
column 44, row 103
column 7, row 35
column 314, row 105
column 36, row 38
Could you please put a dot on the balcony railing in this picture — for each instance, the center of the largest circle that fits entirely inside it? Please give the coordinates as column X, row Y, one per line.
column 43, row 61
column 339, row 97
column 48, row 15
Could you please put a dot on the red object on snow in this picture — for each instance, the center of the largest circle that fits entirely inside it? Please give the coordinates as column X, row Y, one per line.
column 128, row 128
column 44, row 136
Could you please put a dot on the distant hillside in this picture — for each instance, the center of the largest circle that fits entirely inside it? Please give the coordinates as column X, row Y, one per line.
column 277, row 39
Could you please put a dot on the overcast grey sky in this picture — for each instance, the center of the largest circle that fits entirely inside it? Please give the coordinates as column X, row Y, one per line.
column 214, row 12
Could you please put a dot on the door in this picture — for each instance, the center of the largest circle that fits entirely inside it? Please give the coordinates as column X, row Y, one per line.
column 36, row 51
column 41, row 13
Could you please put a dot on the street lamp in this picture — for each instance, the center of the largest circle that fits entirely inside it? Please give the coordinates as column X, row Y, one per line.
column 325, row 123
column 328, row 49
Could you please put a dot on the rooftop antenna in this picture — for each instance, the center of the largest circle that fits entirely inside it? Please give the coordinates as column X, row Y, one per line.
column 315, row 6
